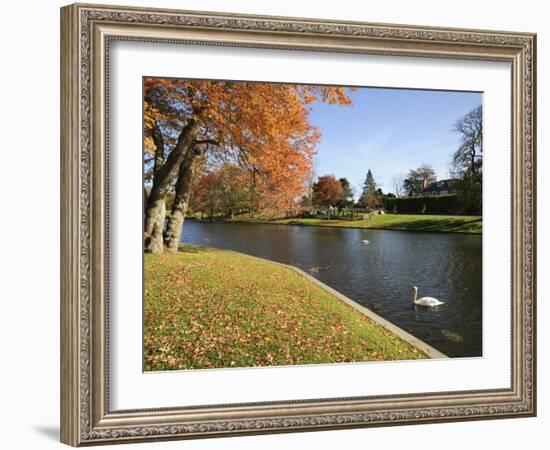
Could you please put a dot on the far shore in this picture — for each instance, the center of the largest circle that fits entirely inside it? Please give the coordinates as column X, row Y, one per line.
column 396, row 222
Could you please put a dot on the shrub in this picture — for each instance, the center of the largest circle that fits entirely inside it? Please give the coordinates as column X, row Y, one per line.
column 441, row 204
column 390, row 204
column 411, row 205
column 433, row 204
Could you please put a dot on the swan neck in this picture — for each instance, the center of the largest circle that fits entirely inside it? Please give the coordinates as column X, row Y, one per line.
column 414, row 295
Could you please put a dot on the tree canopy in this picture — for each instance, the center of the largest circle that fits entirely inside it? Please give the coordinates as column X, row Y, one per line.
column 369, row 186
column 261, row 128
column 327, row 191
column 419, row 179
column 468, row 156
column 467, row 162
column 346, row 199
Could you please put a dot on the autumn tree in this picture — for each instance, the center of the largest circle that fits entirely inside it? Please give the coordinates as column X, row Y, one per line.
column 262, row 127
column 327, row 191
column 220, row 190
column 207, row 194
column 370, row 200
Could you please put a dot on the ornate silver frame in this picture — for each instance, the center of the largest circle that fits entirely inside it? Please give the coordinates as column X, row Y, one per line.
column 86, row 31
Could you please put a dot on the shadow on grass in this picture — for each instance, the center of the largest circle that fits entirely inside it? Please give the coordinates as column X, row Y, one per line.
column 186, row 248
column 311, row 223
column 438, row 225
column 332, row 218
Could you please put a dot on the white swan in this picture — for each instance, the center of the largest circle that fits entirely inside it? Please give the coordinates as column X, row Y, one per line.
column 425, row 301
column 365, row 241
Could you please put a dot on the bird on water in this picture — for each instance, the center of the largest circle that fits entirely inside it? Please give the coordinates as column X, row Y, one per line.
column 425, row 301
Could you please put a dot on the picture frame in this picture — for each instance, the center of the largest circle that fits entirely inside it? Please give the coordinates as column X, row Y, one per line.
column 87, row 31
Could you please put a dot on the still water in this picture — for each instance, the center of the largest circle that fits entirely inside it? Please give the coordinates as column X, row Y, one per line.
column 379, row 275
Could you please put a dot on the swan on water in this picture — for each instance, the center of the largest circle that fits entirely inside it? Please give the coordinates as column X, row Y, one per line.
column 425, row 301
column 365, row 241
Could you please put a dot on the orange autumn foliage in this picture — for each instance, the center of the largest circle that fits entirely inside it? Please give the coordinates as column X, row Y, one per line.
column 263, row 128
column 327, row 191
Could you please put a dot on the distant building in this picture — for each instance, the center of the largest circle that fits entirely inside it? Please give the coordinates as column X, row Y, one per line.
column 442, row 187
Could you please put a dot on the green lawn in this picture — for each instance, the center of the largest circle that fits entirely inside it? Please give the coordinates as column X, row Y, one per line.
column 208, row 308
column 403, row 222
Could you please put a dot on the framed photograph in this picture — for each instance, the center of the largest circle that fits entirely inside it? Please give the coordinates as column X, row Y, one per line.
column 276, row 225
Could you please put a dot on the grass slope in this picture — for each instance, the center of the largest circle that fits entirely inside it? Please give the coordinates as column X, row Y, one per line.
column 208, row 308
column 402, row 222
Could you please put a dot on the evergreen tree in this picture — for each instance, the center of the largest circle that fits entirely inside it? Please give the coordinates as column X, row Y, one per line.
column 369, row 187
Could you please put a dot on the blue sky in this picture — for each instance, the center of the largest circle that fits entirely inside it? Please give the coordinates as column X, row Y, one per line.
column 389, row 131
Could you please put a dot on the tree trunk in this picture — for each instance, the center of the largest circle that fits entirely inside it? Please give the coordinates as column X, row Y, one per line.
column 253, row 193
column 179, row 208
column 144, row 201
column 154, row 218
column 158, row 140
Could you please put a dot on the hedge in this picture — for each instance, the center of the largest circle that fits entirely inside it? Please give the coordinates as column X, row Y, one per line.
column 432, row 204
column 441, row 204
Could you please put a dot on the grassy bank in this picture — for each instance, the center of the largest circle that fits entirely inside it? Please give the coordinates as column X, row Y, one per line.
column 208, row 308
column 402, row 222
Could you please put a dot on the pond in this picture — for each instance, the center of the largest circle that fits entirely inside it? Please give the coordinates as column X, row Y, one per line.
column 379, row 274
